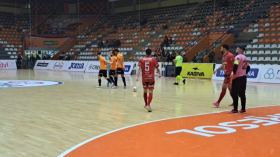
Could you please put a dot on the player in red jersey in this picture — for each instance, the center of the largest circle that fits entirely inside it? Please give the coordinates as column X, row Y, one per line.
column 148, row 65
column 228, row 60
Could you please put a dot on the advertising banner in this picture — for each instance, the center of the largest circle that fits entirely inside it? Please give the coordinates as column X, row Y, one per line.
column 8, row 64
column 42, row 64
column 77, row 65
column 197, row 70
column 59, row 65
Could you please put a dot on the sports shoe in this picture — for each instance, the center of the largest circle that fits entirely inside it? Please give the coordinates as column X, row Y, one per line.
column 230, row 104
column 113, row 86
column 98, row 86
column 176, row 83
column 216, row 104
column 124, row 87
column 184, row 81
column 233, row 111
column 108, row 84
column 148, row 108
column 242, row 111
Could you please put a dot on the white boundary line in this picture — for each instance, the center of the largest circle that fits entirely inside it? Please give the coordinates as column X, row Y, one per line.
column 93, row 138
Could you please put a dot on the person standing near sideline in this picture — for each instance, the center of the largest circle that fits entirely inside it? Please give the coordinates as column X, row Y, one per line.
column 241, row 68
column 178, row 63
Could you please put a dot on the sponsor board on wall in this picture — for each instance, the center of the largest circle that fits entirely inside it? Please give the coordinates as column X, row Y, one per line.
column 8, row 64
column 258, row 73
column 77, row 65
column 58, row 65
column 42, row 64
column 94, row 67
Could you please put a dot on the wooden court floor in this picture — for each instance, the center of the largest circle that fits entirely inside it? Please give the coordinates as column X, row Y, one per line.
column 46, row 121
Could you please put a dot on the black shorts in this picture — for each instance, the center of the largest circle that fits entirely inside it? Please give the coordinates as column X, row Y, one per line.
column 178, row 71
column 120, row 71
column 112, row 72
column 102, row 73
column 239, row 85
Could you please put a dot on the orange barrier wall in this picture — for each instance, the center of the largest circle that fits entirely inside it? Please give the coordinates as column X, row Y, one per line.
column 44, row 42
column 202, row 45
column 213, row 37
column 66, row 48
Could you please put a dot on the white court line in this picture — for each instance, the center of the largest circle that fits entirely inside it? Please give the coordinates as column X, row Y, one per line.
column 93, row 138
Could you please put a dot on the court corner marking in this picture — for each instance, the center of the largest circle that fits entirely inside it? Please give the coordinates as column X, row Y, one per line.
column 98, row 136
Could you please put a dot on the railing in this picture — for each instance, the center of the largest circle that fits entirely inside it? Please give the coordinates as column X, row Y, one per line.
column 196, row 40
column 60, row 47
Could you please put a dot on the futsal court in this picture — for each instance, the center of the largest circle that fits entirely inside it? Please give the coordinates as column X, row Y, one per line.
column 74, row 118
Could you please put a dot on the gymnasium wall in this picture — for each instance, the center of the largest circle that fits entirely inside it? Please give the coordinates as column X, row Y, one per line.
column 44, row 42
column 12, row 9
column 146, row 6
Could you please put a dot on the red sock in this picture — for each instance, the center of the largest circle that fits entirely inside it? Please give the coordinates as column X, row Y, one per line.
column 145, row 98
column 223, row 93
column 229, row 90
column 150, row 98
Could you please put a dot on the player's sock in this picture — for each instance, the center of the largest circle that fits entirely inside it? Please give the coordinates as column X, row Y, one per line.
column 150, row 98
column 112, row 79
column 109, row 80
column 145, row 95
column 180, row 77
column 176, row 79
column 123, row 79
column 99, row 82
column 223, row 93
column 116, row 81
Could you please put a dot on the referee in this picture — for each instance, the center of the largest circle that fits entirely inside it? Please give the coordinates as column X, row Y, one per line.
column 178, row 63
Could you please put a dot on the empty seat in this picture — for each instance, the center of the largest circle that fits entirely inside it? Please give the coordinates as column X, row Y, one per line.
column 267, row 52
column 267, row 59
column 261, row 59
column 274, row 59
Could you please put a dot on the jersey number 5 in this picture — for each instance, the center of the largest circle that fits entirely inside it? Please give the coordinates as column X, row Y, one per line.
column 147, row 67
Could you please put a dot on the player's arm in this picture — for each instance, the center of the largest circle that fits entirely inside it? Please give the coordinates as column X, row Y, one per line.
column 138, row 73
column 235, row 66
column 157, row 69
column 248, row 68
column 221, row 67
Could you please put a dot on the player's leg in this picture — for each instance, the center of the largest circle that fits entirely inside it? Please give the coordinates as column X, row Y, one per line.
column 179, row 77
column 99, row 78
column 105, row 76
column 242, row 93
column 123, row 78
column 150, row 97
column 177, row 70
column 230, row 90
column 108, row 71
column 224, row 90
column 145, row 93
column 111, row 75
column 116, row 77
column 234, row 94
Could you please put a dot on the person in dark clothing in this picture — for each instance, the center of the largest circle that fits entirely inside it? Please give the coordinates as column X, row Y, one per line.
column 211, row 56
column 19, row 60
column 32, row 61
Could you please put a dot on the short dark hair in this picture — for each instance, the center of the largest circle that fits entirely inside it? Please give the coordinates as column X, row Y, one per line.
column 225, row 46
column 242, row 48
column 148, row 51
column 113, row 52
column 117, row 50
column 99, row 53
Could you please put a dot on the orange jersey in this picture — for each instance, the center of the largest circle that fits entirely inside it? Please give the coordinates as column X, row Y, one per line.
column 119, row 59
column 113, row 60
column 103, row 63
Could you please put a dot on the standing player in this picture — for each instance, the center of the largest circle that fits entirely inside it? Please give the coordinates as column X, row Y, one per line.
column 178, row 63
column 148, row 65
column 241, row 68
column 108, row 57
column 120, row 69
column 113, row 62
column 103, row 69
column 228, row 59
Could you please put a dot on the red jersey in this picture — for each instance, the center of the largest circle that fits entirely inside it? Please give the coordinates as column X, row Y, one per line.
column 228, row 61
column 148, row 65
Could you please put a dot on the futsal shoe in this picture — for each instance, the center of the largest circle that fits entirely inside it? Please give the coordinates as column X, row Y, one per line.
column 216, row 104
column 148, row 108
column 242, row 111
column 184, row 81
column 176, row 83
column 230, row 105
column 98, row 86
column 124, row 87
column 233, row 111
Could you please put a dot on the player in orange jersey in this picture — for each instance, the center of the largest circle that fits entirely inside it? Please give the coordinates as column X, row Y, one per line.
column 113, row 65
column 147, row 66
column 103, row 69
column 120, row 68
